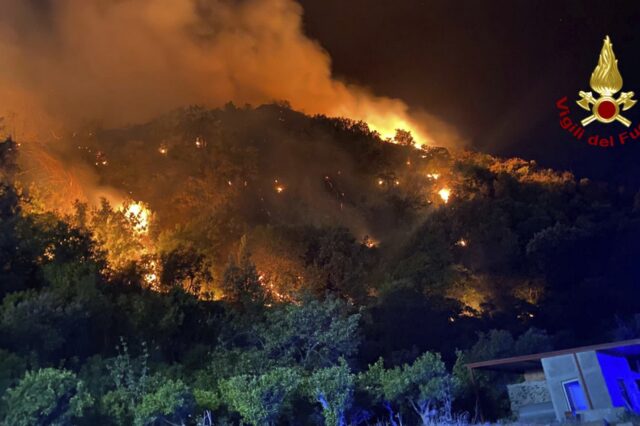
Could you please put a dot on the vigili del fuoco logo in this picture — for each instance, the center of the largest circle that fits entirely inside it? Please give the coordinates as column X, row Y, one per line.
column 603, row 107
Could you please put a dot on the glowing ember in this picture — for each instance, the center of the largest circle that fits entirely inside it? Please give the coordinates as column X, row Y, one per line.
column 50, row 252
column 163, row 150
column 279, row 189
column 138, row 214
column 199, row 142
column 445, row 193
column 101, row 159
column 433, row 176
column 151, row 277
column 380, row 182
column 396, row 182
column 461, row 242
column 369, row 242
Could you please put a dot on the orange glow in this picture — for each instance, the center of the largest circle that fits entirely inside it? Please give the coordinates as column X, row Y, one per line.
column 445, row 193
column 139, row 214
column 151, row 278
column 370, row 242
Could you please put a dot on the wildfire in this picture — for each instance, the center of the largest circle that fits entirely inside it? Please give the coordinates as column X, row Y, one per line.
column 279, row 188
column 445, row 193
column 387, row 128
column 433, row 176
column 272, row 290
column 139, row 214
column 101, row 159
column 369, row 242
column 151, row 277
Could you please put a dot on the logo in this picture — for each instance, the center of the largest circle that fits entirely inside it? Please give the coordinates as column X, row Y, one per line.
column 605, row 81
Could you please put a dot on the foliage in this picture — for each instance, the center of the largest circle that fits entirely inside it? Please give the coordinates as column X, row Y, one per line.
column 169, row 401
column 424, row 386
column 312, row 334
column 333, row 389
column 241, row 283
column 259, row 399
column 282, row 244
column 46, row 397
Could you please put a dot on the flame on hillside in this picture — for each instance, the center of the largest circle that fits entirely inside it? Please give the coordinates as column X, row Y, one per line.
column 139, row 216
column 445, row 193
column 205, row 52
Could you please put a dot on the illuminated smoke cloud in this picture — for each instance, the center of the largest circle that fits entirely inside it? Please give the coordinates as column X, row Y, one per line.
column 122, row 61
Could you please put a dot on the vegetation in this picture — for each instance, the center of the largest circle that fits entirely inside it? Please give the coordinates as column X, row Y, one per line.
column 294, row 270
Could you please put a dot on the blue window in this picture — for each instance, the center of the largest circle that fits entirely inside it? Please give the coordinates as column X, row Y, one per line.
column 575, row 396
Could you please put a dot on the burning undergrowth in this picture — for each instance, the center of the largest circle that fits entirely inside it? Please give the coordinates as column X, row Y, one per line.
column 304, row 194
column 210, row 177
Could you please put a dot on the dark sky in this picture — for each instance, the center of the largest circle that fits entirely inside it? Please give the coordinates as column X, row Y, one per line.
column 494, row 69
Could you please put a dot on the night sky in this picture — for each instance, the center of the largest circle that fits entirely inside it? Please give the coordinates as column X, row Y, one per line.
column 492, row 69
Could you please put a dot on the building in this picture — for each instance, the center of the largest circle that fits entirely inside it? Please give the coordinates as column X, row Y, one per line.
column 588, row 383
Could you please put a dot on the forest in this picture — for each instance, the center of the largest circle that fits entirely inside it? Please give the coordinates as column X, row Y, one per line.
column 259, row 266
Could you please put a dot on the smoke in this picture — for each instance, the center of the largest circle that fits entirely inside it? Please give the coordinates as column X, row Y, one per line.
column 123, row 61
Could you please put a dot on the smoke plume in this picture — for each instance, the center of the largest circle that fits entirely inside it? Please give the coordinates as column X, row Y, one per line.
column 122, row 61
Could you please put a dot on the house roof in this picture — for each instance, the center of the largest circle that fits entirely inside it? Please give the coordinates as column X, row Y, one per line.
column 524, row 363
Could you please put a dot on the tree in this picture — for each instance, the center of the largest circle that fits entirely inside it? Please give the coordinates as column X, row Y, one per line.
column 116, row 234
column 259, row 399
column 167, row 402
column 241, row 284
column 185, row 267
column 491, row 386
column 340, row 262
column 12, row 369
column 130, row 382
column 404, row 138
column 312, row 334
column 8, row 161
column 39, row 321
column 46, row 397
column 425, row 386
column 333, row 389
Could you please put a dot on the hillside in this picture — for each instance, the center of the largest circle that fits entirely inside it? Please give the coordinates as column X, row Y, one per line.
column 215, row 222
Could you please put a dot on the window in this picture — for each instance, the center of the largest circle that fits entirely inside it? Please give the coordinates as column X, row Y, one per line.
column 575, row 396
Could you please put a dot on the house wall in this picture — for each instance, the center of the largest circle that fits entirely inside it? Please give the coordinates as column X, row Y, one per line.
column 562, row 368
column 616, row 368
column 595, row 380
column 531, row 402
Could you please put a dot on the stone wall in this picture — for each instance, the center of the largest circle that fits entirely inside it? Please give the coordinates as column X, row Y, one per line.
column 528, row 393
